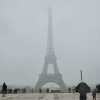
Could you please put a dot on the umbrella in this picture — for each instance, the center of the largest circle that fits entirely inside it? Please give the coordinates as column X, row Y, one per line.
column 82, row 86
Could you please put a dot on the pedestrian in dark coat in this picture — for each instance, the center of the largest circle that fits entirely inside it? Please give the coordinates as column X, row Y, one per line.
column 83, row 88
column 94, row 94
column 4, row 89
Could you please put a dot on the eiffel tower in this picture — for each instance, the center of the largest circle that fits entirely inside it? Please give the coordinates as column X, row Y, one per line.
column 50, row 58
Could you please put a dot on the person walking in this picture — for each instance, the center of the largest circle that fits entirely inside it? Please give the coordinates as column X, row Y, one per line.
column 40, row 90
column 94, row 94
column 98, row 88
column 4, row 89
column 83, row 89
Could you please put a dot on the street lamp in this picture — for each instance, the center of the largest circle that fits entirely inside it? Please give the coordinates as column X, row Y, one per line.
column 81, row 74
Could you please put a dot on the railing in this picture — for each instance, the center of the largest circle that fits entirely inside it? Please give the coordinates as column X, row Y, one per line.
column 50, row 74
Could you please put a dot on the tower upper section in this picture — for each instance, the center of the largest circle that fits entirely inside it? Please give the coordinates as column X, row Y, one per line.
column 50, row 44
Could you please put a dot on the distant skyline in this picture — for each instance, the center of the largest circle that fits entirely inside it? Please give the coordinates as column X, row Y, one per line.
column 23, row 40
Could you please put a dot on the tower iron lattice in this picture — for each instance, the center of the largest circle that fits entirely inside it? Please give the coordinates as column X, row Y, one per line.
column 50, row 58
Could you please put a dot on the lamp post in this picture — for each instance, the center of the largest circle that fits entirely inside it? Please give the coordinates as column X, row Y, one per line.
column 81, row 74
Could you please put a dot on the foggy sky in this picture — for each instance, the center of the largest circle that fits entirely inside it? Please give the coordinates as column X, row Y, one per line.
column 23, row 40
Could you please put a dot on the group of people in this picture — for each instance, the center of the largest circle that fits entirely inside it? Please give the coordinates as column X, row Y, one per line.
column 71, row 90
column 47, row 90
column 82, row 88
column 5, row 90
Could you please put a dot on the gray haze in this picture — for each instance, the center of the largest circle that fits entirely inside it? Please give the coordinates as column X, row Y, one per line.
column 23, row 40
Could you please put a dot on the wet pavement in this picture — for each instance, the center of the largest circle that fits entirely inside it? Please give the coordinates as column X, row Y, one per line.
column 45, row 96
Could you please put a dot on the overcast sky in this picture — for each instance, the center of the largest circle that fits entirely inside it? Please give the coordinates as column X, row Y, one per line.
column 23, row 40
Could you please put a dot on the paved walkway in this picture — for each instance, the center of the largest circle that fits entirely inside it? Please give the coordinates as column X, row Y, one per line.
column 45, row 96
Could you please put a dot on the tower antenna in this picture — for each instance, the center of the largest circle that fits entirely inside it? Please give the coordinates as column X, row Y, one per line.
column 49, row 3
